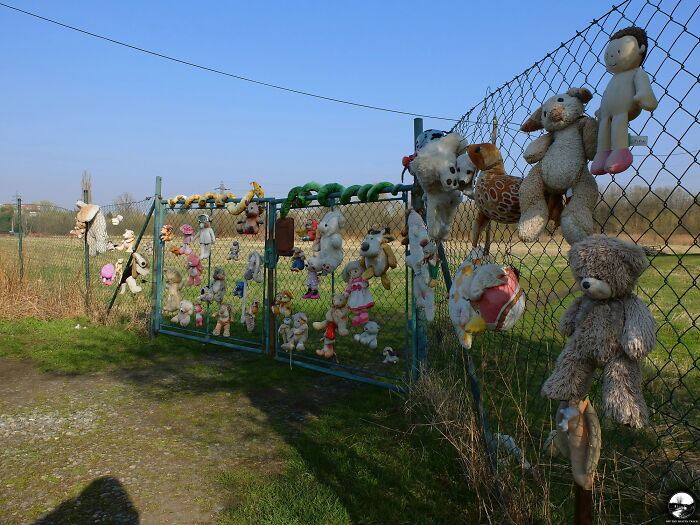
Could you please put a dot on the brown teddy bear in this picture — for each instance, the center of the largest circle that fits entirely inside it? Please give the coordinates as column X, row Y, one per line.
column 253, row 219
column 336, row 314
column 283, row 304
column 223, row 320
column 609, row 327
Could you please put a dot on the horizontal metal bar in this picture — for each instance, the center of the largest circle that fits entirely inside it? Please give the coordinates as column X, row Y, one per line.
column 383, row 384
column 209, row 341
column 205, row 335
column 341, row 365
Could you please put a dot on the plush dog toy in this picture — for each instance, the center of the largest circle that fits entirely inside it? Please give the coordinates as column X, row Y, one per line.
column 136, row 270
column 250, row 312
column 206, row 295
column 391, row 356
column 626, row 95
column 107, row 274
column 250, row 224
column 328, row 244
column 184, row 313
column 423, row 260
column 300, row 333
column 234, row 251
column 285, row 330
column 609, row 327
column 369, row 335
column 559, row 159
column 166, row 233
column 223, row 320
column 194, row 270
column 337, row 315
column 435, row 168
column 377, row 256
column 128, row 241
column 254, row 268
column 218, row 287
column 298, row 260
column 360, row 298
column 173, row 284
column 206, row 235
column 495, row 192
column 484, row 296
column 187, row 234
column 283, row 303
column 90, row 218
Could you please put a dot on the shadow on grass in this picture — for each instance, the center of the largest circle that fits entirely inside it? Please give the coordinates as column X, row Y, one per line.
column 104, row 500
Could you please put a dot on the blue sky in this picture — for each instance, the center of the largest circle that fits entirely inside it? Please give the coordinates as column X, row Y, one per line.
column 72, row 103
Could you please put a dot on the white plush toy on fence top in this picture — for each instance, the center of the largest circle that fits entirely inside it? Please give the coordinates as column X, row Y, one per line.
column 328, row 244
column 90, row 217
column 422, row 258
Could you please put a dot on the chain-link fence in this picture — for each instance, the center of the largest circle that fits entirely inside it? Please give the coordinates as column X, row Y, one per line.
column 58, row 276
column 655, row 204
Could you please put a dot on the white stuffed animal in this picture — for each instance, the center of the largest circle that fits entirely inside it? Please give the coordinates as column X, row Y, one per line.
column 436, row 170
column 369, row 335
column 391, row 356
column 116, row 220
column 328, row 244
column 184, row 313
column 206, row 236
column 128, row 241
column 299, row 333
column 422, row 258
column 90, row 218
column 253, row 270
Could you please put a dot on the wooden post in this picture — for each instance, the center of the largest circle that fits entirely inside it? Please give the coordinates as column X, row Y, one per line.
column 19, row 238
column 86, row 254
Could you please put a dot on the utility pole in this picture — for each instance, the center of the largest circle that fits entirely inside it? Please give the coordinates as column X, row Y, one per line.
column 86, row 187
column 221, row 188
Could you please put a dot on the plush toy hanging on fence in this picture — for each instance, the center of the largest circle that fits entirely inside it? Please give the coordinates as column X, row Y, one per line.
column 285, row 330
column 626, row 95
column 128, row 241
column 423, row 260
column 335, row 323
column 310, row 230
column 298, row 260
column 560, row 165
column 223, row 320
column 369, row 335
column 206, row 236
column 360, row 298
column 299, row 333
column 107, row 274
column 238, row 290
column 184, row 314
column 484, row 296
column 187, row 233
column 377, row 256
column 166, row 233
column 250, row 312
column 283, row 303
column 116, row 220
column 136, row 270
column 234, row 251
column 329, row 245
column 390, row 355
column 206, row 295
column 198, row 315
column 253, row 272
column 90, row 218
column 218, row 287
column 174, row 284
column 194, row 270
column 251, row 224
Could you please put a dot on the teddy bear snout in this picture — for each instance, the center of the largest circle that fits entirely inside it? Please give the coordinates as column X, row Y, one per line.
column 556, row 113
column 364, row 246
column 585, row 284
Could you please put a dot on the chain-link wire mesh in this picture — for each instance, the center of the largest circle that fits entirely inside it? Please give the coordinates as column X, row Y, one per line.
column 391, row 306
column 654, row 204
column 208, row 288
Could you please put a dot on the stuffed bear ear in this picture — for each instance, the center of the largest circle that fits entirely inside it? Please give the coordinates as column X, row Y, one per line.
column 634, row 257
column 534, row 122
column 582, row 94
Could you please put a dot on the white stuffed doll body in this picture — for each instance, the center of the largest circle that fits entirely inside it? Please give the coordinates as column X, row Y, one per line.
column 626, row 95
column 328, row 243
column 421, row 259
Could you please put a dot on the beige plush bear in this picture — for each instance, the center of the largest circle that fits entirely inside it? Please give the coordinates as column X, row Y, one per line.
column 337, row 313
column 300, row 333
column 173, row 284
column 184, row 313
column 560, row 157
column 626, row 95
column 223, row 320
column 609, row 327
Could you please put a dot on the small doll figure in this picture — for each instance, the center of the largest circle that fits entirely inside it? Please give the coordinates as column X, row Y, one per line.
column 310, row 227
column 234, row 251
column 238, row 291
column 194, row 270
column 626, row 95
column 206, row 236
column 198, row 319
column 166, row 233
column 298, row 260
column 187, row 233
column 312, row 282
column 360, row 300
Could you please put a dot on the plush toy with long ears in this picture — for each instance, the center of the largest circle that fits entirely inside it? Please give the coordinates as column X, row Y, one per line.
column 496, row 193
column 560, row 165
column 136, row 270
column 206, row 235
column 423, row 260
column 360, row 298
column 90, row 218
column 391, row 356
column 194, row 270
column 206, row 295
column 626, row 95
column 377, row 255
column 484, row 296
column 254, row 268
column 250, row 312
column 173, row 284
column 219, row 287
column 223, row 320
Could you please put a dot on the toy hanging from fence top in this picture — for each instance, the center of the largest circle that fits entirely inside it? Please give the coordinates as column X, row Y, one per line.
column 187, row 233
column 360, row 298
column 626, row 95
column 136, row 270
column 377, row 256
column 206, row 235
column 423, row 260
column 329, row 245
column 90, row 218
column 560, row 164
column 174, row 283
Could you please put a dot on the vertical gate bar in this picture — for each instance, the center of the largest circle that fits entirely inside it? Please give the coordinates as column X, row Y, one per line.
column 269, row 326
column 20, row 246
column 419, row 323
column 86, row 252
column 158, row 257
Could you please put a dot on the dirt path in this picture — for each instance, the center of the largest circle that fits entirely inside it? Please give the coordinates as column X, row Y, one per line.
column 143, row 446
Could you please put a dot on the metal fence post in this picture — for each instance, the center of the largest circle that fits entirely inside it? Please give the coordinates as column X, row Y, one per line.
column 157, row 266
column 270, row 331
column 86, row 251
column 19, row 239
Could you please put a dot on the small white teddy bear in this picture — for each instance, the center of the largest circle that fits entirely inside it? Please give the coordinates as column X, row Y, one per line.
column 369, row 335
column 328, row 243
column 184, row 313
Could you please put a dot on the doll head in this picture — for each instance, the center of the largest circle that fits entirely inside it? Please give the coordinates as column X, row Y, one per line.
column 204, row 220
column 186, row 229
column 352, row 271
column 626, row 49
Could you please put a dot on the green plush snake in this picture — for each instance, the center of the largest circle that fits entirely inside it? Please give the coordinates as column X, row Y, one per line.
column 362, row 192
column 326, row 190
column 373, row 193
column 349, row 193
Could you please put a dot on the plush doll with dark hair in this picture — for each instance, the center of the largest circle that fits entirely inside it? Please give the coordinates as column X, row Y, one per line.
column 626, row 95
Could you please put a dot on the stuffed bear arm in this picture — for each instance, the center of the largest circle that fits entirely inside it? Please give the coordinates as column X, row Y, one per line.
column 537, row 149
column 639, row 331
column 588, row 128
column 336, row 241
column 644, row 96
column 567, row 323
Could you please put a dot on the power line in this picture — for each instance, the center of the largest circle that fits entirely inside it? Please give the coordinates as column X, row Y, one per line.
column 219, row 72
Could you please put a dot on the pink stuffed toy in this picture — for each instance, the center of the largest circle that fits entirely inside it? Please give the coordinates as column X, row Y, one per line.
column 107, row 274
column 194, row 269
column 198, row 319
column 187, row 233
